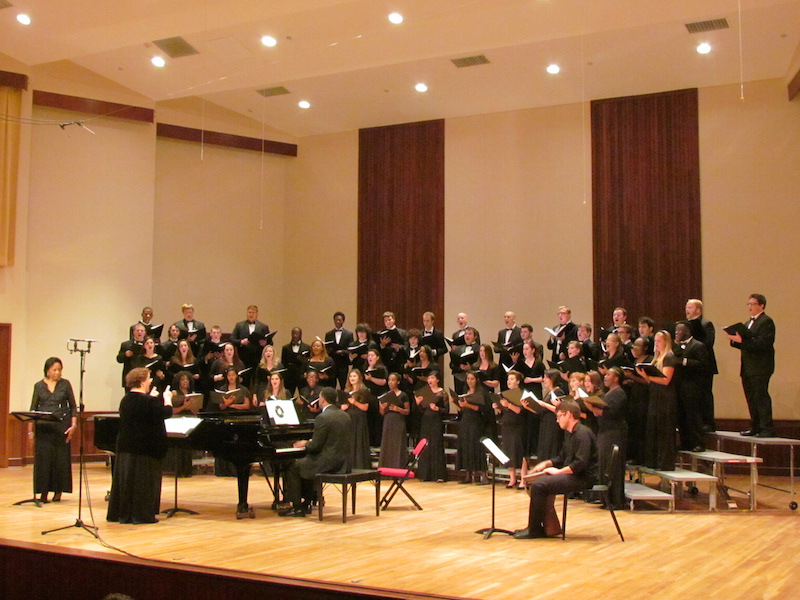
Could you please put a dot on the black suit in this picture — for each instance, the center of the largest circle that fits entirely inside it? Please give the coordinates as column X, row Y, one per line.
column 250, row 353
column 328, row 451
column 435, row 340
column 338, row 352
column 458, row 337
column 127, row 361
column 703, row 331
column 690, row 377
column 456, row 362
column 559, row 347
column 199, row 327
column 515, row 339
column 294, row 363
column 393, row 357
column 758, row 365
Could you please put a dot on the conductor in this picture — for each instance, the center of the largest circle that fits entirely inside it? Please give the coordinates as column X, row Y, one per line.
column 328, row 451
column 574, row 469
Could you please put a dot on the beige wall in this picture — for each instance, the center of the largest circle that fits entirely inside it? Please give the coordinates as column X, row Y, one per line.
column 103, row 231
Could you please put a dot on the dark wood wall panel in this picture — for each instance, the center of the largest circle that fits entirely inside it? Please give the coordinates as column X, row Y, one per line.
column 93, row 107
column 401, row 222
column 5, row 392
column 646, row 205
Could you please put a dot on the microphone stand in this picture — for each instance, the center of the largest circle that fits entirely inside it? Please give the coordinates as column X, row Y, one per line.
column 73, row 345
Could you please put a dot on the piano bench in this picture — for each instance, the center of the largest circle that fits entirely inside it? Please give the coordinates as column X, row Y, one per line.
column 346, row 480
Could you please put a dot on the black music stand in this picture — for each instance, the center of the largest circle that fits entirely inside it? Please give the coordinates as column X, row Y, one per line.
column 34, row 416
column 183, row 435
column 499, row 457
column 73, row 346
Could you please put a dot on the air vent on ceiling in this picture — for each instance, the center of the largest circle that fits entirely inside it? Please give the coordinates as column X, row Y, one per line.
column 470, row 61
column 711, row 25
column 175, row 47
column 273, row 91
column 5, row 4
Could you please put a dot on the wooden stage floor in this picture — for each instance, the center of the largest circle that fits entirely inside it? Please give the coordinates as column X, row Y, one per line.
column 732, row 554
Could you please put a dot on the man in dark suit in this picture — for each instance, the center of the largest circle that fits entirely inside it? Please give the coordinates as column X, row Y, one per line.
column 328, row 451
column 336, row 342
column 703, row 330
column 458, row 334
column 147, row 321
column 509, row 338
column 130, row 349
column 757, row 345
column 432, row 337
column 293, row 356
column 566, row 330
column 462, row 357
column 194, row 331
column 392, row 352
column 591, row 350
column 250, row 337
column 693, row 365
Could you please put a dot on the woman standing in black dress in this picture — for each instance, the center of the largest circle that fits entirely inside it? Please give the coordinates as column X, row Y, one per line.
column 470, row 457
column 141, row 446
column 662, row 408
column 375, row 377
column 532, row 369
column 320, row 362
column 269, row 363
column 357, row 405
column 394, row 407
column 612, row 431
column 362, row 343
column 512, row 430
column 52, row 467
column 432, row 462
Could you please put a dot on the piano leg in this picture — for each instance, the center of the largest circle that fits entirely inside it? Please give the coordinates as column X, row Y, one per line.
column 243, row 510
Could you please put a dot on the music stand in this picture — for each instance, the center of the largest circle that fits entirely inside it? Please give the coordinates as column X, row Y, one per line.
column 73, row 346
column 34, row 416
column 180, row 428
column 499, row 457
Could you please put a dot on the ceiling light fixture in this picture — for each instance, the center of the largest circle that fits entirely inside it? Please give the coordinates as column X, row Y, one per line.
column 395, row 18
column 703, row 48
column 24, row 19
column 553, row 69
column 158, row 61
column 304, row 104
column 421, row 87
column 269, row 41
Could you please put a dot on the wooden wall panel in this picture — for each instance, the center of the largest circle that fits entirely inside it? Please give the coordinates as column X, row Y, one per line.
column 5, row 392
column 401, row 223
column 646, row 205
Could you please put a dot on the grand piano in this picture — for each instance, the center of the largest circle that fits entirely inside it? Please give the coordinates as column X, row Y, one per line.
column 242, row 438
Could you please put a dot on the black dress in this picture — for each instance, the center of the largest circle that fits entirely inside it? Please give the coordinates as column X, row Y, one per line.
column 222, row 467
column 141, row 446
column 512, row 431
column 432, row 462
column 470, row 455
column 662, row 419
column 52, row 467
column 551, row 436
column 613, row 430
column 394, row 451
column 178, row 460
column 360, row 458
column 374, row 417
column 532, row 420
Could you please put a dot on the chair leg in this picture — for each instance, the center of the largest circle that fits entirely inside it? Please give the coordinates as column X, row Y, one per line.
column 414, row 502
column 564, row 518
column 353, row 495
column 387, row 497
column 607, row 502
column 378, row 497
column 320, row 486
column 344, row 502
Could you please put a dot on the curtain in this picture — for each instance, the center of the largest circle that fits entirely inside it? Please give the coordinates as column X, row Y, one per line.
column 10, row 107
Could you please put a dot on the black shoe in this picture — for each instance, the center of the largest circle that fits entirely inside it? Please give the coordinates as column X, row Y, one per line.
column 765, row 434
column 749, row 433
column 698, row 449
column 292, row 512
column 526, row 534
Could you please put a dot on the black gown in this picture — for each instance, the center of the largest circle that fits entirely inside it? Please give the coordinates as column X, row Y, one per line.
column 470, row 455
column 513, row 435
column 223, row 467
column 551, row 436
column 394, row 449
column 613, row 430
column 52, row 467
column 662, row 419
column 361, row 455
column 433, row 462
column 532, row 420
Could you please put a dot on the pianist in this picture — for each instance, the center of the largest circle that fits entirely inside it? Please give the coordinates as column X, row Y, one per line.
column 328, row 451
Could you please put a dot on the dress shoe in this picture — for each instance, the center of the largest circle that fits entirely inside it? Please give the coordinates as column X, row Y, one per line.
column 749, row 433
column 698, row 449
column 292, row 512
column 526, row 534
column 765, row 434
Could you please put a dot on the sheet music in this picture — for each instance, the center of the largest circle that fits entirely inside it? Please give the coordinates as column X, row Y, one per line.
column 282, row 412
column 181, row 425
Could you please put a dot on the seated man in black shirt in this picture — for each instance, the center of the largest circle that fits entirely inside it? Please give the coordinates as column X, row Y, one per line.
column 573, row 470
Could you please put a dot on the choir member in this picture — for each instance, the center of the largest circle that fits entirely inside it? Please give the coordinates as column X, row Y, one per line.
column 150, row 360
column 319, row 361
column 508, row 338
column 513, row 434
column 531, row 368
column 614, row 355
column 147, row 321
column 192, row 330
column 293, row 356
column 141, row 446
column 336, row 341
column 693, row 364
column 662, row 407
column 462, row 357
column 394, row 407
column 703, row 330
column 269, row 364
column 433, row 462
column 357, row 406
column 375, row 376
column 167, row 348
column 275, row 390
column 183, row 360
column 612, row 430
column 229, row 358
column 566, row 331
column 575, row 361
column 463, row 323
column 526, row 333
column 391, row 351
column 636, row 407
column 179, row 460
column 250, row 337
column 129, row 349
column 550, row 436
column 591, row 350
column 306, row 399
column 625, row 333
column 230, row 396
column 52, row 467
column 647, row 331
column 362, row 343
column 470, row 457
column 487, row 370
column 431, row 336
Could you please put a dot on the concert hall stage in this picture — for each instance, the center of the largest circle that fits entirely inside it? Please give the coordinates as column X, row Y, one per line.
column 404, row 553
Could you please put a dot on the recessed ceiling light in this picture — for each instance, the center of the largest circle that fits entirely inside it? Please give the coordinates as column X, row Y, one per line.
column 158, row 61
column 395, row 18
column 269, row 41
column 553, row 69
column 704, row 48
column 421, row 87
column 304, row 104
column 24, row 19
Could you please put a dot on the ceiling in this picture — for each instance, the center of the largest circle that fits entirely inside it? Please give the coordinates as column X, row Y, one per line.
column 359, row 70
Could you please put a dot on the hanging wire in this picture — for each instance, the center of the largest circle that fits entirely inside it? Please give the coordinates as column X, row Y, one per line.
column 741, row 56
